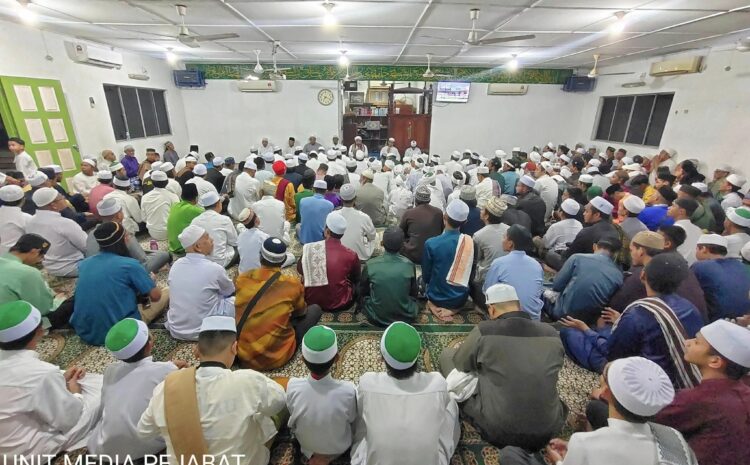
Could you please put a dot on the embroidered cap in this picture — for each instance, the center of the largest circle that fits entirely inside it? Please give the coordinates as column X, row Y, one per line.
column 640, row 385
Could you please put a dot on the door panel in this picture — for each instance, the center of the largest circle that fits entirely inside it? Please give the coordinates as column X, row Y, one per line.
column 406, row 128
column 35, row 110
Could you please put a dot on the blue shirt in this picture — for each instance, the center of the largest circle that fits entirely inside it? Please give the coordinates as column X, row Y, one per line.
column 511, row 179
column 313, row 213
column 655, row 216
column 523, row 273
column 586, row 283
column 726, row 285
column 473, row 222
column 106, row 293
column 437, row 259
column 639, row 334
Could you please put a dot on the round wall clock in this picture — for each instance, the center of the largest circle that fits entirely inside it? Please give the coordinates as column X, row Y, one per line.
column 325, row 97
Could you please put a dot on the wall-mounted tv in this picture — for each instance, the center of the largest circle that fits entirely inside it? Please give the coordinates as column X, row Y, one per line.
column 453, row 92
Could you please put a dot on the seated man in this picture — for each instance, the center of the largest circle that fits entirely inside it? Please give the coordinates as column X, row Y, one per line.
column 371, row 199
column 126, row 392
column 100, row 190
column 597, row 224
column 488, row 245
column 13, row 220
column 265, row 299
column 655, row 214
column 133, row 216
column 322, row 410
column 636, row 389
column 111, row 211
column 22, row 280
column 232, row 411
column 725, row 283
column 516, row 401
column 404, row 417
column 388, row 288
column 643, row 247
column 270, row 212
column 313, row 213
column 445, row 273
column 110, row 286
column 284, row 191
column 736, row 229
column 330, row 271
column 220, row 228
column 585, row 283
column 713, row 415
column 360, row 232
column 199, row 286
column 67, row 239
column 530, row 203
column 181, row 215
column 44, row 410
column 652, row 327
column 519, row 270
column 156, row 205
column 419, row 224
column 564, row 231
column 632, row 206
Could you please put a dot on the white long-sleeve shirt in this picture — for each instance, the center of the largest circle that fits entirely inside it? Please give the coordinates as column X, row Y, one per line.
column 25, row 164
column 270, row 211
column 155, row 207
column 12, row 226
column 83, row 184
column 131, row 211
column 561, row 233
column 360, row 232
column 222, row 231
column 548, row 191
column 321, row 414
column 117, row 433
column 38, row 414
column 235, row 410
column 202, row 185
column 174, row 187
column 67, row 242
column 620, row 443
column 197, row 287
column 246, row 193
column 484, row 191
column 692, row 234
column 249, row 243
column 410, row 421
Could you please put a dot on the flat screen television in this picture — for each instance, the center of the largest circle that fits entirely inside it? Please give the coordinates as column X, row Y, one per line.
column 453, row 92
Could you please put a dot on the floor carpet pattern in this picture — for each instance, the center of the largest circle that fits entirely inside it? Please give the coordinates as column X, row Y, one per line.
column 359, row 353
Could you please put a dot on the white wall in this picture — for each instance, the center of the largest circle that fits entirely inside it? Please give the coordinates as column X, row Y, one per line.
column 226, row 121
column 709, row 118
column 490, row 122
column 22, row 53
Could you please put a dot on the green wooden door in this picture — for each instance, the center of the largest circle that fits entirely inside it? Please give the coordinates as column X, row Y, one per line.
column 35, row 110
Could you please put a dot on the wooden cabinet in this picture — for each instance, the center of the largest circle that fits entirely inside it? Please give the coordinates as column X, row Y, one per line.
column 406, row 128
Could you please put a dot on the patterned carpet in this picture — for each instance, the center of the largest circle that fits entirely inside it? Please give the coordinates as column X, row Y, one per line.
column 360, row 353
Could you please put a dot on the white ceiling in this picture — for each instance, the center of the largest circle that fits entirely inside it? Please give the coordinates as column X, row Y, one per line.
column 568, row 32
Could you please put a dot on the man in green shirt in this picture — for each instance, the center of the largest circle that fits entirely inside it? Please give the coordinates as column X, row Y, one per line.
column 21, row 280
column 181, row 215
column 388, row 287
column 307, row 183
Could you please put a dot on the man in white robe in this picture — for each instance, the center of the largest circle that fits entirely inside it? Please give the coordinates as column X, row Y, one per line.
column 43, row 409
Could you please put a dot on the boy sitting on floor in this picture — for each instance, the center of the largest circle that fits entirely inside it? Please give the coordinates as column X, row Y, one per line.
column 322, row 410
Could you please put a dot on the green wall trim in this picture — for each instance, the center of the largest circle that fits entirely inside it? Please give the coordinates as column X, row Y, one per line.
column 389, row 73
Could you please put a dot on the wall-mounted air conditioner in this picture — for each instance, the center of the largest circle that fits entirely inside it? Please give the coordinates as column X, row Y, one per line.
column 257, row 86
column 507, row 89
column 93, row 55
column 685, row 65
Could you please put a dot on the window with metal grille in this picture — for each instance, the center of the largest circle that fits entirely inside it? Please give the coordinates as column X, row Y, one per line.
column 137, row 112
column 633, row 119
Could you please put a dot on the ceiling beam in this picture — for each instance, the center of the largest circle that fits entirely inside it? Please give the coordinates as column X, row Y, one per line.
column 413, row 29
column 645, row 34
column 239, row 14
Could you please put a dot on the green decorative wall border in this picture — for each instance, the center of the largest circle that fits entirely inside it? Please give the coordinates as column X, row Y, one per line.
column 390, row 73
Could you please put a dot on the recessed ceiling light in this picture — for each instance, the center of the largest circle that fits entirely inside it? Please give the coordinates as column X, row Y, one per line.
column 619, row 25
column 328, row 18
column 513, row 63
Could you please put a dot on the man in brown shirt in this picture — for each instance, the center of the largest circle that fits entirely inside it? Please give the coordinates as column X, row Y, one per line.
column 419, row 224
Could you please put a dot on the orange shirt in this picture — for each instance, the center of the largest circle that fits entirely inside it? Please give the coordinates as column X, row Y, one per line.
column 290, row 208
column 267, row 339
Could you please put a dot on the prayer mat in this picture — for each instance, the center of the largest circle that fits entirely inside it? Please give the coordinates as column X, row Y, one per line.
column 359, row 353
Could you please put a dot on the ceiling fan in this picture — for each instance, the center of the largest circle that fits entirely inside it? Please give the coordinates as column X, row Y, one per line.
column 429, row 74
column 352, row 77
column 190, row 40
column 595, row 73
column 474, row 40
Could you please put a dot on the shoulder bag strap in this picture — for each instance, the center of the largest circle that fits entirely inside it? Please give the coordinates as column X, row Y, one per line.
column 182, row 415
column 254, row 301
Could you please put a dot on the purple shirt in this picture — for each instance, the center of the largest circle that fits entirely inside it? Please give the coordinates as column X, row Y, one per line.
column 131, row 166
column 334, row 199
